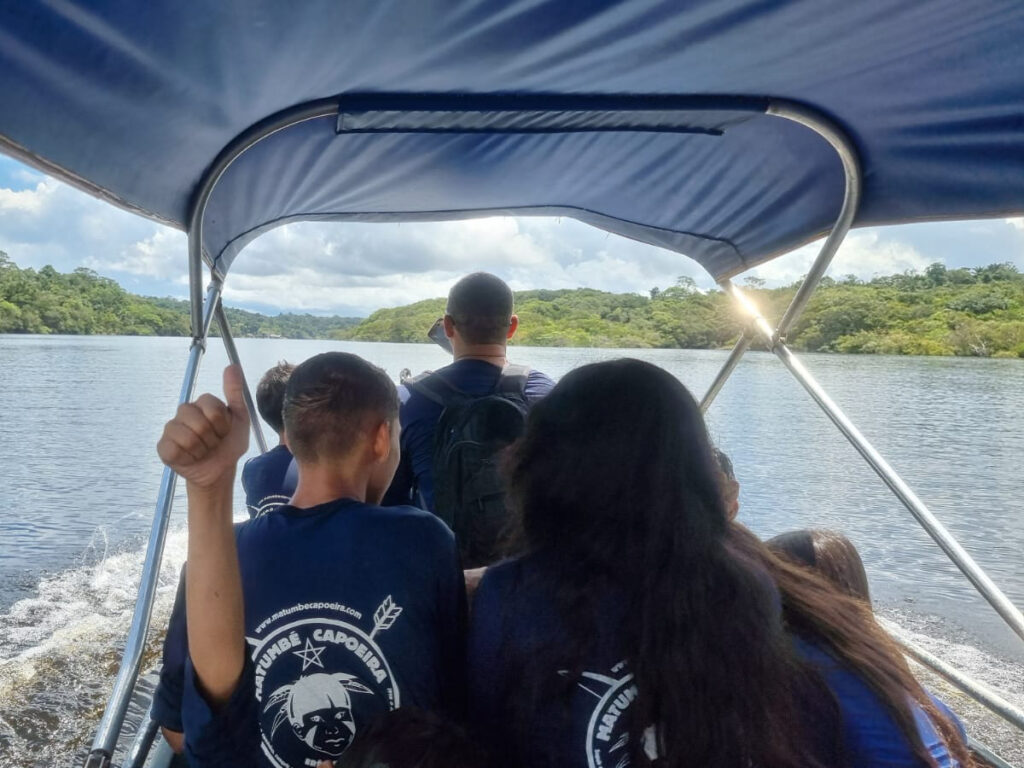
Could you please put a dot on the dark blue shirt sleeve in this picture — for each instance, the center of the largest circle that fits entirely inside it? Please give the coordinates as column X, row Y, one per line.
column 229, row 736
column 166, row 709
column 399, row 493
column 873, row 738
column 537, row 386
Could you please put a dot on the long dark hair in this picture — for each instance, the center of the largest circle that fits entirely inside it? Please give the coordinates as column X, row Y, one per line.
column 615, row 475
column 615, row 479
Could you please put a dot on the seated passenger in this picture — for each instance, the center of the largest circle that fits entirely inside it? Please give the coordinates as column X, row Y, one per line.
column 828, row 554
column 834, row 557
column 456, row 418
column 640, row 626
column 265, row 478
column 306, row 624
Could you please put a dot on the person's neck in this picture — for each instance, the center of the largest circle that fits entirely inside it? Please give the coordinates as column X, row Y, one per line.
column 495, row 354
column 324, row 482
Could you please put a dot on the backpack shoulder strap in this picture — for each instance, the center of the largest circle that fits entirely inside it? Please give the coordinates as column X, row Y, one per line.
column 512, row 380
column 435, row 388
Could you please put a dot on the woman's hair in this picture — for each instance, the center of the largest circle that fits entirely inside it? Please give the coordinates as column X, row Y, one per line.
column 828, row 553
column 412, row 738
column 616, row 479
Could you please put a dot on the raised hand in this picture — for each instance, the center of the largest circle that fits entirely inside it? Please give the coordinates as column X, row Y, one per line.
column 205, row 439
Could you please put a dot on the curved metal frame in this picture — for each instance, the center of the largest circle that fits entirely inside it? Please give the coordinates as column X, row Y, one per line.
column 113, row 717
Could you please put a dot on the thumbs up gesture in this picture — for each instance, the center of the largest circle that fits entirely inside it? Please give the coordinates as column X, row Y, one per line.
column 205, row 439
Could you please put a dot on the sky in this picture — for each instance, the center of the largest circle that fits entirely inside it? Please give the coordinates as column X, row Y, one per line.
column 353, row 269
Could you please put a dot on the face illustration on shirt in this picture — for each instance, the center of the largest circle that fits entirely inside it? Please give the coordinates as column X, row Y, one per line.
column 328, row 731
column 319, row 709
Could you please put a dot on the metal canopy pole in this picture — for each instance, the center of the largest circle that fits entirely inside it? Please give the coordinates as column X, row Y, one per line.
column 232, row 350
column 742, row 344
column 109, row 729
column 963, row 560
column 852, row 185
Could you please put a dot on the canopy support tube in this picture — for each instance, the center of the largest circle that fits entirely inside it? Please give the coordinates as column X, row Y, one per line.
column 946, row 541
column 742, row 344
column 853, row 183
column 232, row 350
column 109, row 729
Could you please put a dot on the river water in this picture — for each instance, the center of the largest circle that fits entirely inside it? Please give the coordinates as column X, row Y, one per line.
column 79, row 419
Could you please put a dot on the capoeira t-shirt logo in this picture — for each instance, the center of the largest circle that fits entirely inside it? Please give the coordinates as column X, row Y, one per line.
column 607, row 737
column 319, row 677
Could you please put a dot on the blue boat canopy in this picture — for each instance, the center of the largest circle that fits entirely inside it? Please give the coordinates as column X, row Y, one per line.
column 648, row 118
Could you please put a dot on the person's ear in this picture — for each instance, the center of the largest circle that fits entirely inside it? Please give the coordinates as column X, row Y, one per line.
column 513, row 324
column 382, row 442
column 449, row 326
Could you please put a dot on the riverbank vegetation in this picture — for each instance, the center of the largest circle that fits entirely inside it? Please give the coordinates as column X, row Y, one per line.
column 975, row 312
column 83, row 302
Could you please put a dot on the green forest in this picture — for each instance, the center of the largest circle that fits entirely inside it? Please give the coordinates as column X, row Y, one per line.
column 940, row 311
column 972, row 312
column 83, row 302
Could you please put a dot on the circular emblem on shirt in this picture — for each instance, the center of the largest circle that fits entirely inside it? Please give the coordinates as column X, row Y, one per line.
column 318, row 681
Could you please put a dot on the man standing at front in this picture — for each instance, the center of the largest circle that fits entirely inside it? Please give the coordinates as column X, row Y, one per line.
column 479, row 402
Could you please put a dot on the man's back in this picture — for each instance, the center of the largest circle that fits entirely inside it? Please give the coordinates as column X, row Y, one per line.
column 414, row 480
column 351, row 610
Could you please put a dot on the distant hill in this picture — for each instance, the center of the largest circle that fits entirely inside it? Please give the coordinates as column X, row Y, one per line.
column 82, row 302
column 977, row 312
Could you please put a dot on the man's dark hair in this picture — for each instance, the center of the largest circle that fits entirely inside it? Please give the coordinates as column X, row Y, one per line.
column 412, row 738
column 480, row 306
column 331, row 400
column 270, row 394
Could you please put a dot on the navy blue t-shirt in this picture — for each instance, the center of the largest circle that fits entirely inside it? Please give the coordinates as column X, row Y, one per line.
column 267, row 481
column 419, row 416
column 513, row 616
column 351, row 610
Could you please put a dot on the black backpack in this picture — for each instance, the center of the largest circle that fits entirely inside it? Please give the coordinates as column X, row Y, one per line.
column 469, row 495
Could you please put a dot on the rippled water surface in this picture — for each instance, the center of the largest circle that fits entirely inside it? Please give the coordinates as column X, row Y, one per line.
column 79, row 418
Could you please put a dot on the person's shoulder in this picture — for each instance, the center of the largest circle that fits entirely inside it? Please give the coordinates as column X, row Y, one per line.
column 417, row 521
column 538, row 384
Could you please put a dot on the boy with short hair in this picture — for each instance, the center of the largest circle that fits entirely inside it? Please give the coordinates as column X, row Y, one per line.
column 265, row 478
column 327, row 613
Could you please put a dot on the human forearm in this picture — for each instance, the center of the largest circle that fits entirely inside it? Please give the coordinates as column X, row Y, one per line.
column 216, row 630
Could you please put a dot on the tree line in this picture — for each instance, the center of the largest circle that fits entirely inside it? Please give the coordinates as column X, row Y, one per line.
column 940, row 311
column 83, row 302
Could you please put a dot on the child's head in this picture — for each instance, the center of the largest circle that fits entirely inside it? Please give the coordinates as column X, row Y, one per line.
column 412, row 738
column 270, row 395
column 829, row 554
column 340, row 408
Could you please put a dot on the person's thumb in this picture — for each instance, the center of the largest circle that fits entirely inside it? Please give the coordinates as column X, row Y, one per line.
column 234, row 392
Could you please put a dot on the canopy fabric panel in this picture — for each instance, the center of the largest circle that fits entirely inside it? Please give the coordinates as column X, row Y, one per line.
column 134, row 101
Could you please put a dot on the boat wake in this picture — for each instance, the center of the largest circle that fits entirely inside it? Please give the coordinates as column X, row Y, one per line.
column 60, row 649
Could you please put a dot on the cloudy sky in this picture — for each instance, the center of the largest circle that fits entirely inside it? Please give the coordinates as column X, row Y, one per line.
column 353, row 269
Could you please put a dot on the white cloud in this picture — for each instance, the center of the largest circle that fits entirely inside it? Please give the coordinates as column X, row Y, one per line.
column 865, row 253
column 1017, row 223
column 357, row 268
column 162, row 255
